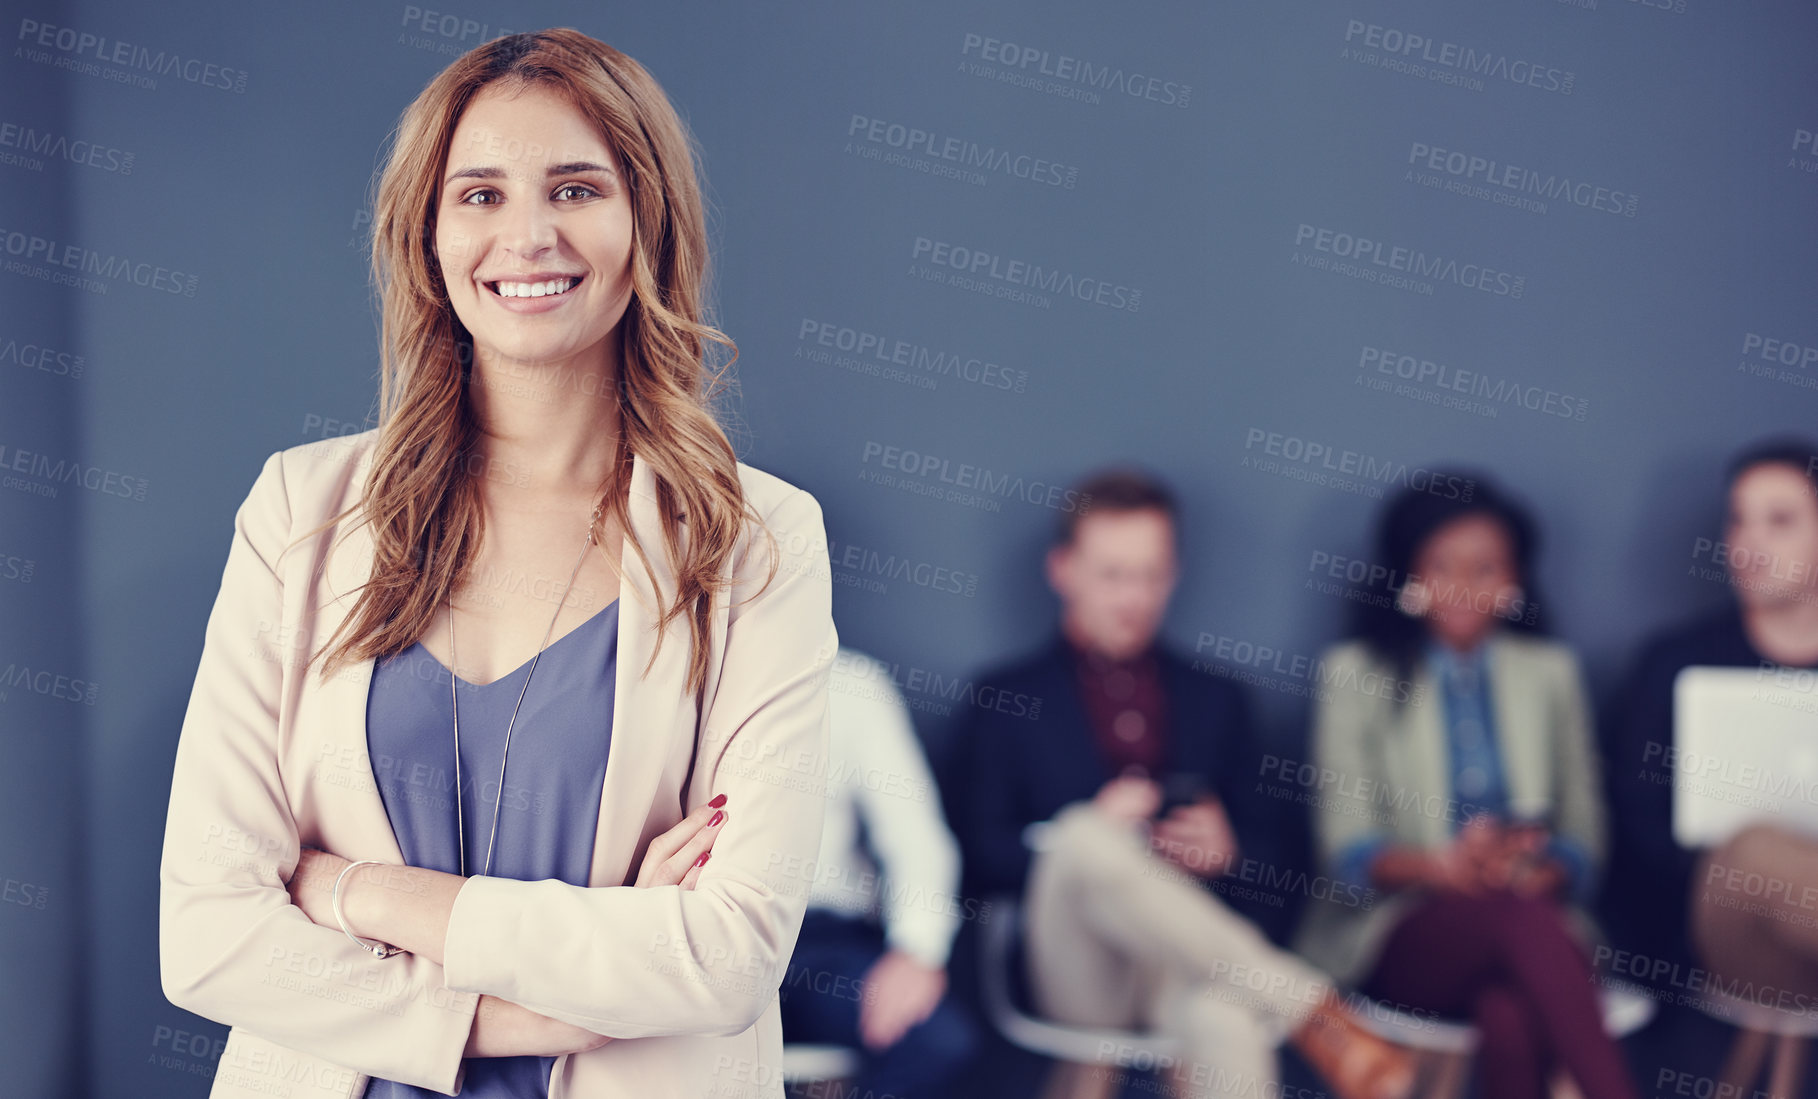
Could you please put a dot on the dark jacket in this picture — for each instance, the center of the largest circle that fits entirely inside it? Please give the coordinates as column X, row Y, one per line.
column 1034, row 753
column 1648, row 888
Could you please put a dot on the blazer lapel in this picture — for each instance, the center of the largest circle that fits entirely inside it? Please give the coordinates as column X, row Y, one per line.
column 647, row 712
column 1430, row 758
column 1520, row 733
column 1069, row 738
column 357, row 826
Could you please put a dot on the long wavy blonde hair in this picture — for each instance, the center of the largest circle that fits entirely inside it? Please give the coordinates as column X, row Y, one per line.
column 421, row 494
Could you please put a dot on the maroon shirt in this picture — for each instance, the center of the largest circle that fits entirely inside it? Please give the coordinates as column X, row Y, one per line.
column 1125, row 708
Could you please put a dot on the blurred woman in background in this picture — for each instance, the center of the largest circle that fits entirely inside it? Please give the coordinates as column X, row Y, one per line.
column 1467, row 796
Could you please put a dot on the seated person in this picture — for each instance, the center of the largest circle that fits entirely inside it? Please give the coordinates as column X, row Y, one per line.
column 1467, row 796
column 870, row 967
column 1657, row 902
column 1123, row 927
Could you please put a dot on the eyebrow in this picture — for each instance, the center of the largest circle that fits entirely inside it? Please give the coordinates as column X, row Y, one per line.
column 573, row 167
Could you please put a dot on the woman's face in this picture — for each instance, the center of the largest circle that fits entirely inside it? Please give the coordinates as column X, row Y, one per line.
column 1468, row 567
column 1772, row 536
column 533, row 229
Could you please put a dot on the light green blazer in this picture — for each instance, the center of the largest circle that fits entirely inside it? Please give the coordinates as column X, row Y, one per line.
column 1384, row 769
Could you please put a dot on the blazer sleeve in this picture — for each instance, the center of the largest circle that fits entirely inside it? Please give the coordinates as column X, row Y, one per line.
column 231, row 945
column 1235, row 771
column 995, row 859
column 1343, row 816
column 1577, row 767
column 634, row 963
column 1639, row 782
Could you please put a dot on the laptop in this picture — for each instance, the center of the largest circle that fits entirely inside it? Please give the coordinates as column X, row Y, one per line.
column 1745, row 749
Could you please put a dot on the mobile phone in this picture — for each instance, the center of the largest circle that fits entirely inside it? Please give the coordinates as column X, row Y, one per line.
column 1182, row 788
column 1527, row 820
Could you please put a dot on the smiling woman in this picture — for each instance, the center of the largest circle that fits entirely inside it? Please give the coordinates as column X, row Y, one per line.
column 528, row 172
column 540, row 254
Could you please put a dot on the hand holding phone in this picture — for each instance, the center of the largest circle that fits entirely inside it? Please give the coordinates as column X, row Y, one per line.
column 1182, row 788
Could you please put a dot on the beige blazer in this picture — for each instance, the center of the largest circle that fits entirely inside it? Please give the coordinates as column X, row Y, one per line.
column 1384, row 770
column 268, row 760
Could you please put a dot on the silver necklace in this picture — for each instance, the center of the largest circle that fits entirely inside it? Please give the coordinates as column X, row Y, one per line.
column 460, row 824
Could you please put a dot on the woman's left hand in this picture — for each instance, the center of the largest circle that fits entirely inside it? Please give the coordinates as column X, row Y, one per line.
column 676, row 856
column 1542, row 878
column 1523, row 866
column 1535, row 873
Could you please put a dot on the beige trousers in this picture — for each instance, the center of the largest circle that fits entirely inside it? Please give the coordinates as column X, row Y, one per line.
column 1754, row 914
column 1120, row 938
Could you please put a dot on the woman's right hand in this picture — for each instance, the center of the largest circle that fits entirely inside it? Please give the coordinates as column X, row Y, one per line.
column 502, row 1028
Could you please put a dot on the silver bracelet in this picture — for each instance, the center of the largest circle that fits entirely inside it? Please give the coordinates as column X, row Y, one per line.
column 377, row 950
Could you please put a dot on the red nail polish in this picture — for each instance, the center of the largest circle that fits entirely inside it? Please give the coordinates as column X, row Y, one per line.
column 718, row 816
column 702, row 861
column 719, row 800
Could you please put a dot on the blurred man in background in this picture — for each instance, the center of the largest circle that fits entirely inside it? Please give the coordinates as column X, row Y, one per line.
column 870, row 966
column 1108, row 805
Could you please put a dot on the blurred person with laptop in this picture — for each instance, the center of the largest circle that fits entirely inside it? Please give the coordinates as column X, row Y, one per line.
column 1679, row 905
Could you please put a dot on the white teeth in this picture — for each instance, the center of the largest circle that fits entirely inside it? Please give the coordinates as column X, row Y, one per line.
column 536, row 289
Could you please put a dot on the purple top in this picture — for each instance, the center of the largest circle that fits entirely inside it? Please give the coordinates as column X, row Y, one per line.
column 553, row 779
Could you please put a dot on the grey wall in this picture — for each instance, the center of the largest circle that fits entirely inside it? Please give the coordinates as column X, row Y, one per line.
column 226, row 316
column 47, row 712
